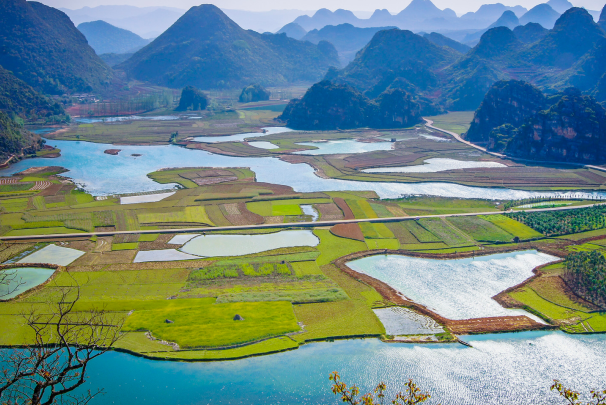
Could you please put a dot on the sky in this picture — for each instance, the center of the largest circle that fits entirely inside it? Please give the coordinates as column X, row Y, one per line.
column 394, row 6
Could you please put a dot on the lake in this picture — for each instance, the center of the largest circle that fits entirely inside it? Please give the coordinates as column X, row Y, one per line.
column 103, row 174
column 343, row 146
column 455, row 289
column 242, row 137
column 23, row 279
column 500, row 369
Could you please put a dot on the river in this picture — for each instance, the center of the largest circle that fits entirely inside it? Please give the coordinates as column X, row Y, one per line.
column 103, row 174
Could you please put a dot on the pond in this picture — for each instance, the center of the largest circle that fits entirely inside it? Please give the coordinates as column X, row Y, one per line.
column 103, row 174
column 343, row 146
column 164, row 255
column 455, row 289
column 499, row 369
column 53, row 254
column 239, row 245
column 129, row 118
column 146, row 198
column 435, row 165
column 403, row 321
column 241, row 137
column 19, row 280
column 263, row 145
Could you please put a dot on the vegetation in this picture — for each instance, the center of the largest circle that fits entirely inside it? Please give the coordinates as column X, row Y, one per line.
column 254, row 93
column 586, row 275
column 15, row 140
column 192, row 98
column 555, row 223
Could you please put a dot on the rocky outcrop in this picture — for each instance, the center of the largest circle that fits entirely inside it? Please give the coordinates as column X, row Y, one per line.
column 602, row 22
column 507, row 102
column 572, row 130
column 254, row 93
column 193, row 98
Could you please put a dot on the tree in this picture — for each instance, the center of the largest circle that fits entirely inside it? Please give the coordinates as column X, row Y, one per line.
column 572, row 397
column 64, row 342
column 412, row 396
column 9, row 282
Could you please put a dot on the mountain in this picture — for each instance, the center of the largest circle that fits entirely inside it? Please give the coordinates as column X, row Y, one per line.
column 149, row 25
column 602, row 21
column 561, row 6
column 571, row 130
column 43, row 48
column 488, row 13
column 508, row 19
column 496, row 43
column 441, row 40
column 324, row 17
column 293, row 30
column 346, row 38
column 105, row 38
column 574, row 34
column 17, row 98
column 542, row 14
column 113, row 59
column 206, row 49
column 424, row 10
column 507, row 102
column 105, row 13
column 329, row 106
column 264, row 21
column 529, row 33
column 393, row 54
column 15, row 140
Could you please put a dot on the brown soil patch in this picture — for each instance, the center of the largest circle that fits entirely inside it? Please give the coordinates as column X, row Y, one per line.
column 113, row 152
column 349, row 231
column 329, row 211
column 238, row 214
column 159, row 244
column 274, row 220
column 50, row 191
column 347, row 212
column 189, row 264
column 42, row 169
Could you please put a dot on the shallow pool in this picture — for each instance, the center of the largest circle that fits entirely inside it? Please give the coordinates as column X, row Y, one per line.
column 146, row 198
column 164, row 255
column 343, row 146
column 263, row 145
column 129, row 118
column 435, row 165
column 53, row 254
column 455, row 289
column 19, row 280
column 403, row 321
column 239, row 245
column 241, row 137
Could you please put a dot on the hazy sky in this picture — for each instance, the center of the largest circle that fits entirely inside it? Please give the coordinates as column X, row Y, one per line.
column 263, row 5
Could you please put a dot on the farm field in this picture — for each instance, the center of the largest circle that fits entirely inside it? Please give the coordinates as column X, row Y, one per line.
column 286, row 296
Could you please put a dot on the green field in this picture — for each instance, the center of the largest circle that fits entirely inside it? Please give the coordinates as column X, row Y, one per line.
column 512, row 227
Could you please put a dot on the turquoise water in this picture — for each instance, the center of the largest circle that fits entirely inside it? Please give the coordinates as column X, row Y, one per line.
column 435, row 165
column 344, row 146
column 499, row 369
column 455, row 289
column 22, row 279
column 103, row 174
column 238, row 245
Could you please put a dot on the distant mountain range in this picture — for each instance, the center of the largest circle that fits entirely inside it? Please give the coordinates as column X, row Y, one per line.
column 206, row 49
column 572, row 53
column 43, row 48
column 345, row 37
column 105, row 38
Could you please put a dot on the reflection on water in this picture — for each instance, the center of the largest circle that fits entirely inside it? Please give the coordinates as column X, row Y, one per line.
column 19, row 280
column 128, row 118
column 241, row 137
column 343, row 146
column 239, row 245
column 499, row 369
column 435, row 165
column 103, row 174
column 455, row 289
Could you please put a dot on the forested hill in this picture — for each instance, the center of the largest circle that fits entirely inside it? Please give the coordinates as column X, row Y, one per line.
column 15, row 140
column 206, row 49
column 44, row 48
column 17, row 98
column 573, row 53
column 516, row 118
